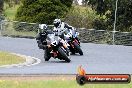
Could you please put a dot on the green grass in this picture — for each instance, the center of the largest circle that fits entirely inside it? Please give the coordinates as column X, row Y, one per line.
column 56, row 84
column 8, row 29
column 7, row 58
column 10, row 11
column 19, row 33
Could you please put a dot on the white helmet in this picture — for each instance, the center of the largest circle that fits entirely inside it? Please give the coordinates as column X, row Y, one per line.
column 42, row 28
column 57, row 23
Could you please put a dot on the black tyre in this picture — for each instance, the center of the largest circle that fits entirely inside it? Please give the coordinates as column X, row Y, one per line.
column 72, row 50
column 40, row 45
column 67, row 51
column 63, row 54
column 47, row 55
column 78, row 48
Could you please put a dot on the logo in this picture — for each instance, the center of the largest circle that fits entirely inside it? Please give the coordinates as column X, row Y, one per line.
column 83, row 78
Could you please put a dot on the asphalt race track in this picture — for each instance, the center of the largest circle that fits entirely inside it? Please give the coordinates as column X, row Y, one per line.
column 98, row 58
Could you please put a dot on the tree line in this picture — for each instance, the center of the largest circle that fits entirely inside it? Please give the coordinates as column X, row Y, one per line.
column 44, row 11
column 107, row 8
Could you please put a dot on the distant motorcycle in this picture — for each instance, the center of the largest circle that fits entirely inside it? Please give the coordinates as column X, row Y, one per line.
column 73, row 41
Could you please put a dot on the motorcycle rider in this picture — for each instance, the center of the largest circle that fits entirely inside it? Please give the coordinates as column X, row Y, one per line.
column 41, row 37
column 43, row 40
column 62, row 29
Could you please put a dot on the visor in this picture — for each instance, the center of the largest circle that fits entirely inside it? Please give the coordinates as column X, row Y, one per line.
column 56, row 24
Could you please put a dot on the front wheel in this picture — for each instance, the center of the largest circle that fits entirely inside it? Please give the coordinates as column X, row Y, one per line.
column 63, row 54
column 78, row 48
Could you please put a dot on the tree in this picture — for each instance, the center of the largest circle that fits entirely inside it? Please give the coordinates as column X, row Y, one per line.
column 68, row 3
column 101, row 6
column 107, row 8
column 12, row 2
column 17, row 1
column 42, row 11
column 1, row 6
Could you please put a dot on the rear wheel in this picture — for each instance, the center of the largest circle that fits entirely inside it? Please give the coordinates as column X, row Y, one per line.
column 78, row 48
column 63, row 54
column 40, row 44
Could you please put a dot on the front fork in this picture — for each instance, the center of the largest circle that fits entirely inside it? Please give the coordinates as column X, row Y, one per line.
column 55, row 54
column 77, row 41
column 72, row 43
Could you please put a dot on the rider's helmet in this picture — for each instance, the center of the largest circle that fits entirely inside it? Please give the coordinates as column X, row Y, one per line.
column 57, row 23
column 42, row 28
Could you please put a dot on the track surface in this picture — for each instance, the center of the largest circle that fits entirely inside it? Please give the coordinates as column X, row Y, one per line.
column 97, row 58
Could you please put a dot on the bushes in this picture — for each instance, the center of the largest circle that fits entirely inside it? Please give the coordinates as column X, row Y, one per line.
column 100, row 23
column 1, row 6
column 41, row 11
column 80, row 16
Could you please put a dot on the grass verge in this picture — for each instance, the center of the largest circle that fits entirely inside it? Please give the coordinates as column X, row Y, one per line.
column 8, row 29
column 61, row 83
column 10, row 11
column 7, row 58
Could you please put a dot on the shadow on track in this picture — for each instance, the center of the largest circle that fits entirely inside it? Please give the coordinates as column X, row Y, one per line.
column 56, row 61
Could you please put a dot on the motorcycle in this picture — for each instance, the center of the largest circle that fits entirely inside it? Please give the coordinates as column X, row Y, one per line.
column 57, row 50
column 53, row 48
column 42, row 35
column 71, row 37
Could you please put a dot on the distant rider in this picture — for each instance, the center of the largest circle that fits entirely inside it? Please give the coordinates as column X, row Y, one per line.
column 41, row 37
